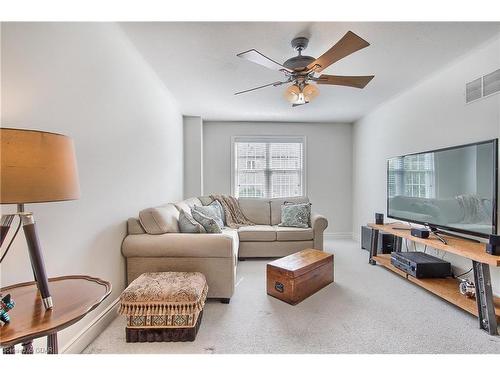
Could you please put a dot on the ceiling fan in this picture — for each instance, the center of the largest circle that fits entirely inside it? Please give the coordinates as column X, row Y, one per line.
column 302, row 71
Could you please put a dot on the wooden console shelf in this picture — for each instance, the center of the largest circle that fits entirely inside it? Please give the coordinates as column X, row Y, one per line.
column 444, row 288
column 459, row 246
column 486, row 308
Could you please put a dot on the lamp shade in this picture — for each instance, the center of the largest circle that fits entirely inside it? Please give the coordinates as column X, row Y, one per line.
column 36, row 167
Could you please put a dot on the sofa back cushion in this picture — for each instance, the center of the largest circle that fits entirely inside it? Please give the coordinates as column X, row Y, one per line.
column 276, row 204
column 134, row 226
column 187, row 204
column 160, row 220
column 205, row 200
column 257, row 210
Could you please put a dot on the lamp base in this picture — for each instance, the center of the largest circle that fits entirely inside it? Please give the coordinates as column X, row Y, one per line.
column 47, row 303
column 34, row 249
column 36, row 257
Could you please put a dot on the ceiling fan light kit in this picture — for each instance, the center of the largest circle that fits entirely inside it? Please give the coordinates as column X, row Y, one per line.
column 301, row 71
column 297, row 96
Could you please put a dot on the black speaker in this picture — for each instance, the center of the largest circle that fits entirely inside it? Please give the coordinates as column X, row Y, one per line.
column 379, row 218
column 493, row 245
column 420, row 233
column 385, row 243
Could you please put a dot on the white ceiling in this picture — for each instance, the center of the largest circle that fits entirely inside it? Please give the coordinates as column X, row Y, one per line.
column 198, row 63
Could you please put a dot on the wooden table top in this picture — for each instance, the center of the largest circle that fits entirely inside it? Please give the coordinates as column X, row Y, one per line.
column 301, row 262
column 73, row 296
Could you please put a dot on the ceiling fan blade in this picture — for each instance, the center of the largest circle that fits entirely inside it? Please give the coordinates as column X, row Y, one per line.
column 258, row 58
column 296, row 105
column 353, row 81
column 278, row 83
column 349, row 43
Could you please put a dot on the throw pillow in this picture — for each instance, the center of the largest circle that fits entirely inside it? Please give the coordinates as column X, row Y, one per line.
column 295, row 215
column 187, row 224
column 207, row 222
column 213, row 210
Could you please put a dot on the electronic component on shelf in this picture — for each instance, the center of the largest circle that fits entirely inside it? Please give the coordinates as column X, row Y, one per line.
column 420, row 233
column 385, row 241
column 493, row 245
column 421, row 265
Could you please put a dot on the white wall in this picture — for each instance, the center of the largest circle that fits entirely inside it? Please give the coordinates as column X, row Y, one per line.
column 87, row 81
column 328, row 163
column 431, row 115
column 193, row 156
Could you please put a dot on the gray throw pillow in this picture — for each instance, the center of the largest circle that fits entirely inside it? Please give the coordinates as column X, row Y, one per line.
column 208, row 223
column 213, row 210
column 295, row 215
column 187, row 224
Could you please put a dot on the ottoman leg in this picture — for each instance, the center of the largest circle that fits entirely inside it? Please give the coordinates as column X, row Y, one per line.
column 225, row 300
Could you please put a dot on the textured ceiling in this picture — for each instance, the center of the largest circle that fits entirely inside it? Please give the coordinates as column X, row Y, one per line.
column 197, row 62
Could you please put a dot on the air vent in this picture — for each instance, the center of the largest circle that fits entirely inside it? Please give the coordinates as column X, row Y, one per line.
column 491, row 83
column 485, row 86
column 473, row 90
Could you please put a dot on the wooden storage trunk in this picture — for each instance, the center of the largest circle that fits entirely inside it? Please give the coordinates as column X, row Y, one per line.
column 295, row 277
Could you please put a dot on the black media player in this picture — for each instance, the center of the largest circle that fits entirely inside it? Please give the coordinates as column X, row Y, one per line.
column 420, row 265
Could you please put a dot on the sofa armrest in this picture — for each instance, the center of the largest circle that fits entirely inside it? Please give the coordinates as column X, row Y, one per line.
column 181, row 245
column 318, row 223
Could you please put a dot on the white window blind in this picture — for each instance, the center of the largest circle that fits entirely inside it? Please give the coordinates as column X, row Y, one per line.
column 268, row 167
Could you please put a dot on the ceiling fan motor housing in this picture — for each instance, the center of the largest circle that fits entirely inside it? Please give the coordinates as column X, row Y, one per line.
column 299, row 62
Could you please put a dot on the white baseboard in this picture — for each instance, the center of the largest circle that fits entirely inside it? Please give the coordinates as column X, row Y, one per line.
column 92, row 330
column 337, row 236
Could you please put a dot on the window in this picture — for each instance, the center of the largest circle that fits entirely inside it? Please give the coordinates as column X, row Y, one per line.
column 268, row 167
column 412, row 176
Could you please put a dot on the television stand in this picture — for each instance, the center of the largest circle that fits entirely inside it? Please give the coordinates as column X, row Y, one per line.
column 485, row 306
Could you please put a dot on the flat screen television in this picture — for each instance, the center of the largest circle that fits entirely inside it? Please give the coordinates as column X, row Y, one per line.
column 454, row 188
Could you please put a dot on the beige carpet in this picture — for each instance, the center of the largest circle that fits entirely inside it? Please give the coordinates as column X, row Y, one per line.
column 367, row 310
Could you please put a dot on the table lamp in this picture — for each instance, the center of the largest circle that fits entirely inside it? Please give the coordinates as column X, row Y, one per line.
column 36, row 167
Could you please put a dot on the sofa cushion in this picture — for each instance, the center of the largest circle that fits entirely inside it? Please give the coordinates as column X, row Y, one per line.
column 187, row 223
column 134, row 226
column 213, row 210
column 257, row 210
column 257, row 233
column 209, row 223
column 296, row 215
column 187, row 204
column 293, row 234
column 276, row 204
column 205, row 200
column 159, row 220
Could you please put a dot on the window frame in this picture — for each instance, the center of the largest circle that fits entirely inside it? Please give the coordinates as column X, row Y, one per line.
column 269, row 139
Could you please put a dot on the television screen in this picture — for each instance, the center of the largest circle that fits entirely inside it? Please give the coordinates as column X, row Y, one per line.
column 453, row 188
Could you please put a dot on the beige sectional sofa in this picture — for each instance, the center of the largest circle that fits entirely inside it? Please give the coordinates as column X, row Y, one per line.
column 154, row 244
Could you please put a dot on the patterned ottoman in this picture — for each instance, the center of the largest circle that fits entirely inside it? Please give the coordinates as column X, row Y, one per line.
column 164, row 306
